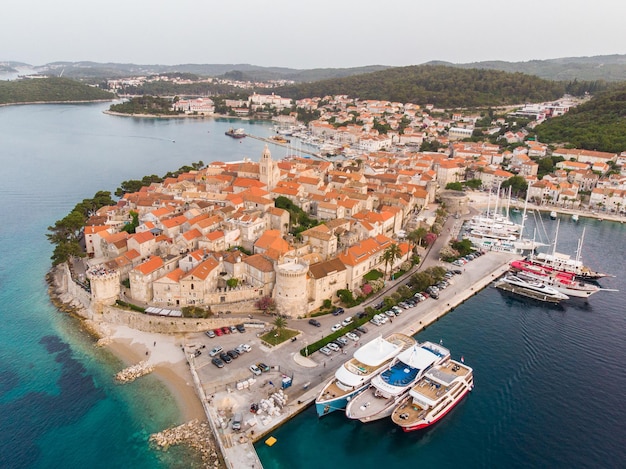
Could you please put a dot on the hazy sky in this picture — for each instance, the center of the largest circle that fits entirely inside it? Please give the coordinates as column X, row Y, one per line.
column 298, row 34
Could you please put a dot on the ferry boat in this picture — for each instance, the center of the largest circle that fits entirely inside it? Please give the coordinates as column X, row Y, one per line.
column 389, row 387
column 564, row 282
column 530, row 289
column 356, row 374
column 235, row 133
column 432, row 397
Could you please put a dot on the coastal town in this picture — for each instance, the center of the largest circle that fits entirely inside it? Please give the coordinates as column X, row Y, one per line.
column 267, row 245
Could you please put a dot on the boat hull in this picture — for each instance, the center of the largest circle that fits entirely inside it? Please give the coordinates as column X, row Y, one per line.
column 328, row 406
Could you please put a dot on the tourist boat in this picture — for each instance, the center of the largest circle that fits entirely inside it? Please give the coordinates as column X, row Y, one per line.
column 390, row 386
column 530, row 289
column 575, row 217
column 434, row 396
column 235, row 133
column 553, row 215
column 564, row 282
column 279, row 139
column 356, row 374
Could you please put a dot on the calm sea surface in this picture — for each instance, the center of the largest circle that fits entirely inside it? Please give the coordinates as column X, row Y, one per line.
column 59, row 406
column 549, row 381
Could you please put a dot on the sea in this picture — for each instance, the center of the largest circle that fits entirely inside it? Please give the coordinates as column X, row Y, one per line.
column 548, row 380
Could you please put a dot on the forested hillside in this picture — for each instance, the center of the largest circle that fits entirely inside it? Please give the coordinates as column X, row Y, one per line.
column 49, row 89
column 442, row 86
column 599, row 124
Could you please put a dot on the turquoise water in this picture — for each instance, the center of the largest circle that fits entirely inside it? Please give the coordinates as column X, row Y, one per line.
column 59, row 406
column 549, row 385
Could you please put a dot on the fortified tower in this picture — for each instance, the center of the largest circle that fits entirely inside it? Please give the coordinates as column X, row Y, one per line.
column 290, row 289
column 105, row 287
column 269, row 173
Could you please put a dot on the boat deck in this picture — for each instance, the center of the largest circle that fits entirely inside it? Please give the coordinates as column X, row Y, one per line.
column 368, row 404
column 527, row 293
column 434, row 390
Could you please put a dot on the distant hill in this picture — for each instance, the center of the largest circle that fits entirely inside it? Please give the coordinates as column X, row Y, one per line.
column 599, row 124
column 84, row 70
column 445, row 87
column 599, row 67
column 49, row 89
column 602, row 67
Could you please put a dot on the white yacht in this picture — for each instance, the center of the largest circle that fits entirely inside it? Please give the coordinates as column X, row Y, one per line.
column 355, row 375
column 531, row 289
column 390, row 386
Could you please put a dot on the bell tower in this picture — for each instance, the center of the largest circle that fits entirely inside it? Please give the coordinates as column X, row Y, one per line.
column 268, row 170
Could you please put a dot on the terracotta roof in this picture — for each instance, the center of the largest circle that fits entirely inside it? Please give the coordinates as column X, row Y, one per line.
column 323, row 269
column 259, row 262
column 151, row 265
column 202, row 270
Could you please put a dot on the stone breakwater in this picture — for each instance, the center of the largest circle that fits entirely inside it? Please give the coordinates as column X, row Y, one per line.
column 130, row 374
column 194, row 434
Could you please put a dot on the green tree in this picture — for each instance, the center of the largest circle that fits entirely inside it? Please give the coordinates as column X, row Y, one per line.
column 454, row 186
column 390, row 255
column 280, row 323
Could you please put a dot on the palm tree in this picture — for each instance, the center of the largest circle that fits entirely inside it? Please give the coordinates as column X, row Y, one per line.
column 390, row 255
column 280, row 323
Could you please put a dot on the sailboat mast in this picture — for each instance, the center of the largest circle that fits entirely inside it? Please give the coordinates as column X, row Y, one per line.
column 556, row 235
column 580, row 246
column 524, row 215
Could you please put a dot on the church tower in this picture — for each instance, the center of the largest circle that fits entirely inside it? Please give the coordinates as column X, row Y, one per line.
column 269, row 172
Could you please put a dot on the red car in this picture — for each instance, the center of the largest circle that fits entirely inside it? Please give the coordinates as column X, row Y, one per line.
column 218, row 332
column 226, row 330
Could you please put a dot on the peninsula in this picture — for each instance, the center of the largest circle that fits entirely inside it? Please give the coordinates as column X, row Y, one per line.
column 49, row 90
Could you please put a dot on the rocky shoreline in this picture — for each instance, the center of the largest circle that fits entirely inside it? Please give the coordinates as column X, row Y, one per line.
column 194, row 434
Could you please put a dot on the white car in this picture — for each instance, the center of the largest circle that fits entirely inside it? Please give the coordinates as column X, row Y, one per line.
column 336, row 327
column 375, row 321
column 352, row 336
column 216, row 351
column 243, row 348
column 255, row 370
column 346, row 321
column 326, row 351
column 333, row 347
column 382, row 318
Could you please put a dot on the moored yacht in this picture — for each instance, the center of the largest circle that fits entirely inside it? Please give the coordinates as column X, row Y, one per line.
column 531, row 289
column 564, row 282
column 355, row 375
column 390, row 386
column 432, row 397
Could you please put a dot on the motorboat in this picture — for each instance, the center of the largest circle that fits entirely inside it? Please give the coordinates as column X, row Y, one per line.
column 434, row 396
column 356, row 374
column 531, row 289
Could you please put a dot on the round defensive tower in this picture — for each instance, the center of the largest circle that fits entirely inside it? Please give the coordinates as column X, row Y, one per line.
column 290, row 290
column 105, row 286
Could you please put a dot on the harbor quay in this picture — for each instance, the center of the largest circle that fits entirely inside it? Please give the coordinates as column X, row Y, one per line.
column 263, row 402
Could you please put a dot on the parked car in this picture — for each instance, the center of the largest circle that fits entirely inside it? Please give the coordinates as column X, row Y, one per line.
column 210, row 334
column 333, row 346
column 244, row 347
column 233, row 329
column 457, row 271
column 325, row 350
column 241, row 328
column 346, row 321
column 315, row 322
column 226, row 330
column 352, row 336
column 237, row 419
column 342, row 340
column 218, row 331
column 197, row 353
column 375, row 321
column 215, row 351
column 390, row 313
column 225, row 357
column 361, row 315
column 263, row 367
column 255, row 370
column 362, row 329
column 338, row 344
column 338, row 311
column 356, row 332
column 233, row 353
column 336, row 327
column 217, row 362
